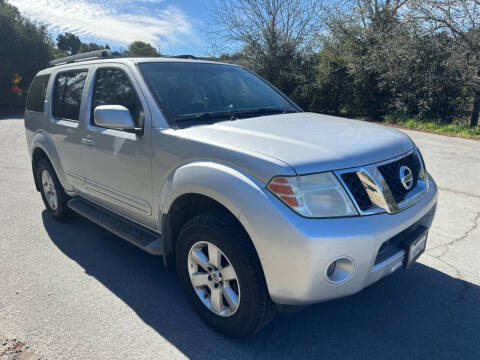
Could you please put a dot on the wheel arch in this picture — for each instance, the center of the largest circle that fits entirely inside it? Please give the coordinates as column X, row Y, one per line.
column 38, row 154
column 200, row 187
column 184, row 208
column 43, row 147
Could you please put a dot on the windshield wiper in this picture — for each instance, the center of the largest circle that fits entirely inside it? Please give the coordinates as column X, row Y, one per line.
column 264, row 111
column 204, row 116
column 233, row 114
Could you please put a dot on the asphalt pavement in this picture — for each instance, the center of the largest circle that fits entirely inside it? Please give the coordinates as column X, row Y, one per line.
column 74, row 291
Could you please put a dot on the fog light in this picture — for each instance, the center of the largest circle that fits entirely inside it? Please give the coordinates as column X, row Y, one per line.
column 339, row 270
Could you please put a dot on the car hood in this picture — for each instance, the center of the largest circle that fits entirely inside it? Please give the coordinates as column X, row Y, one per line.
column 308, row 142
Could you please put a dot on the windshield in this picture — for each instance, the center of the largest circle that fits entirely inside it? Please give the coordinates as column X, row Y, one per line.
column 191, row 93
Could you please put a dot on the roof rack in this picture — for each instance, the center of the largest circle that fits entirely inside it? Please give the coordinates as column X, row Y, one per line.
column 103, row 54
column 179, row 56
column 97, row 54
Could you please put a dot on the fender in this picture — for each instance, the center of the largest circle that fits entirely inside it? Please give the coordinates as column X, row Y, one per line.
column 221, row 182
column 43, row 141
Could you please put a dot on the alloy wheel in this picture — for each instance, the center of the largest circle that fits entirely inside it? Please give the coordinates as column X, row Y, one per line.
column 214, row 279
column 49, row 190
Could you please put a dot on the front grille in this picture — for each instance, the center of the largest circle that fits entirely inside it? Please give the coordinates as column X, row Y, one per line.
column 391, row 171
column 357, row 190
column 377, row 188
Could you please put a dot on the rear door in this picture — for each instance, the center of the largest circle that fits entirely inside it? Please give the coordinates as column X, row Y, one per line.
column 118, row 162
column 66, row 128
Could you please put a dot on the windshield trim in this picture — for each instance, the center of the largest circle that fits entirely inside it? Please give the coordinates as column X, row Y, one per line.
column 171, row 121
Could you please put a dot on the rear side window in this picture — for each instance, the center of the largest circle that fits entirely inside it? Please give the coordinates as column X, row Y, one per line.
column 67, row 94
column 37, row 93
column 113, row 87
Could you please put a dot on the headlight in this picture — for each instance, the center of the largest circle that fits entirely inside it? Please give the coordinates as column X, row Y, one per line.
column 423, row 170
column 317, row 195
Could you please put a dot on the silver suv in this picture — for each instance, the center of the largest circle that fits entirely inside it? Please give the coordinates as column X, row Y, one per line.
column 208, row 165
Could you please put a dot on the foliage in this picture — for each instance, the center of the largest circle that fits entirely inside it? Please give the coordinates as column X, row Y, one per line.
column 69, row 43
column 26, row 49
column 461, row 19
column 372, row 58
column 457, row 128
column 398, row 70
column 84, row 47
column 275, row 37
column 379, row 59
column 140, row 48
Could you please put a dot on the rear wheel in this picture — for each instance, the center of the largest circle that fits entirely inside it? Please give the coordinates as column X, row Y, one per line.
column 222, row 276
column 53, row 195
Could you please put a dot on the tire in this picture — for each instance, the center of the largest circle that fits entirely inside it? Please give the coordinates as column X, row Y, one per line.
column 254, row 308
column 50, row 185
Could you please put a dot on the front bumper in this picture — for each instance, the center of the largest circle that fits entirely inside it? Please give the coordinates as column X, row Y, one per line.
column 295, row 251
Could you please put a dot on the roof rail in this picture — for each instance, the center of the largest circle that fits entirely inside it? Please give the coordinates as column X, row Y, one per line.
column 97, row 54
column 179, row 56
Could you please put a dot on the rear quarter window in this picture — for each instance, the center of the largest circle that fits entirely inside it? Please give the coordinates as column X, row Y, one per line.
column 67, row 94
column 37, row 93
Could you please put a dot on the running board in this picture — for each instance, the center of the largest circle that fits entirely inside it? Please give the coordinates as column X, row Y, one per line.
column 127, row 230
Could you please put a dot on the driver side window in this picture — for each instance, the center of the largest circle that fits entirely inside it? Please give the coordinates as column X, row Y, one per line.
column 113, row 87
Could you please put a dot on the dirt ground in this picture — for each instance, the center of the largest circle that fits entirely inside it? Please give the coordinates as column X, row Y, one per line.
column 15, row 349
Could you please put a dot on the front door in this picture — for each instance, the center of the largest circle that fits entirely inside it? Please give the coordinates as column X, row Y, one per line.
column 118, row 162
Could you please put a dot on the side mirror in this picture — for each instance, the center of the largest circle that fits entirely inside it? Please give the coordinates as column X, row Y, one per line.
column 113, row 117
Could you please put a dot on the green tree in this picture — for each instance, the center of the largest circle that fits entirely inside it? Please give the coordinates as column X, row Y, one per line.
column 331, row 91
column 274, row 36
column 416, row 71
column 376, row 61
column 140, row 48
column 69, row 42
column 357, row 29
column 84, row 47
column 460, row 18
column 26, row 49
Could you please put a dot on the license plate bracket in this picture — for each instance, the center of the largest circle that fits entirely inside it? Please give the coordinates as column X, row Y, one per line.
column 414, row 247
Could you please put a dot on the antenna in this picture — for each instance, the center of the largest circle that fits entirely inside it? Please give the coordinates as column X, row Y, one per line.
column 97, row 54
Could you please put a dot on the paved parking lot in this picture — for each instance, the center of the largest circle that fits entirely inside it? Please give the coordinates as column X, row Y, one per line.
column 72, row 290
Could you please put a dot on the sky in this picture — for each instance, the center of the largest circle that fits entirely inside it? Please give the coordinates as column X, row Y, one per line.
column 172, row 26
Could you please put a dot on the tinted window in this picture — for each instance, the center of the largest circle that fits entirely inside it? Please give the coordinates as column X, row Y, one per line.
column 193, row 88
column 67, row 94
column 37, row 93
column 113, row 87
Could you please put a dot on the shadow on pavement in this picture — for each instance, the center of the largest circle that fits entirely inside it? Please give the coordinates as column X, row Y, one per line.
column 16, row 116
column 419, row 314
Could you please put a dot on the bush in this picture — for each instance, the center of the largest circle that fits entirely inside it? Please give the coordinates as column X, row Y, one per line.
column 26, row 48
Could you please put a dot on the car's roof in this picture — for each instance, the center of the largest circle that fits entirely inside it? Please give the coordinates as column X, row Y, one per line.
column 129, row 60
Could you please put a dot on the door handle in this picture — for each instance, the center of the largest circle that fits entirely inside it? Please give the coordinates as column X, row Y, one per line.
column 88, row 141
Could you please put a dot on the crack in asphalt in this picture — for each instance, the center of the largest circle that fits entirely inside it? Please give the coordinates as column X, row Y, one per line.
column 455, row 269
column 459, row 192
column 449, row 244
column 466, row 286
column 462, row 296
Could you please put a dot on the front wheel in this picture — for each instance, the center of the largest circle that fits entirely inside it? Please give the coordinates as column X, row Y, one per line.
column 222, row 276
